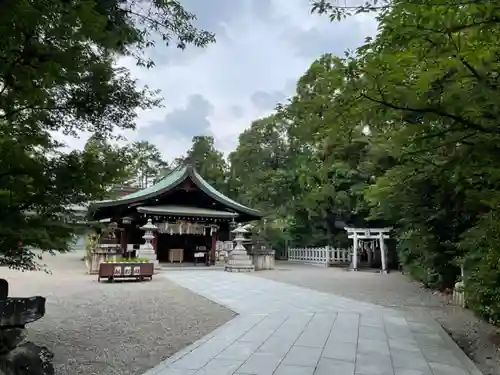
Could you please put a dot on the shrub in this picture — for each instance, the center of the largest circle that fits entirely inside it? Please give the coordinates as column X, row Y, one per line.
column 482, row 267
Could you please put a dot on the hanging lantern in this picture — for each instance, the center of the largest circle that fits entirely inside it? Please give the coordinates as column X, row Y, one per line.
column 127, row 220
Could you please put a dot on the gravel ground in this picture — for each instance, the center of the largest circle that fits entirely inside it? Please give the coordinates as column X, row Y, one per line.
column 111, row 329
column 480, row 340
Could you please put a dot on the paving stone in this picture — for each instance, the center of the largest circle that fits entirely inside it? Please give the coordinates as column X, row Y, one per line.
column 293, row 326
column 441, row 369
column 429, row 339
column 421, row 327
column 395, row 320
column 175, row 371
column 327, row 366
column 260, row 364
column 343, row 335
column 404, row 371
column 340, row 350
column 408, row 360
column 263, row 330
column 347, row 320
column 373, row 333
column 277, row 345
column 303, row 356
column 239, row 350
column 398, row 332
column 404, row 344
column 373, row 364
column 345, row 328
column 372, row 321
column 294, row 370
column 440, row 355
column 220, row 367
column 317, row 331
column 373, row 346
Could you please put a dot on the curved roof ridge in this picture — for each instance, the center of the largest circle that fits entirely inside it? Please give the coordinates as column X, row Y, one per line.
column 223, row 196
column 170, row 181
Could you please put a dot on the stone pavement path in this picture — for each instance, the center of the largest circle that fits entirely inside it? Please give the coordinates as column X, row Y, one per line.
column 289, row 330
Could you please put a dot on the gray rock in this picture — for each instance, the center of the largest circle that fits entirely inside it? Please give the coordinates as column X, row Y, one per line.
column 18, row 357
column 10, row 338
column 17, row 312
column 27, row 359
column 4, row 289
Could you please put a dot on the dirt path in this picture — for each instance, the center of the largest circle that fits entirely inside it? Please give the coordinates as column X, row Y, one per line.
column 478, row 339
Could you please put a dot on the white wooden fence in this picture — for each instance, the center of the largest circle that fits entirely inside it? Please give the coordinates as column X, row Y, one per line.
column 319, row 255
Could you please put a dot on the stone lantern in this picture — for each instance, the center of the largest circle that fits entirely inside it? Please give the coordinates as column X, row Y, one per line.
column 147, row 250
column 238, row 259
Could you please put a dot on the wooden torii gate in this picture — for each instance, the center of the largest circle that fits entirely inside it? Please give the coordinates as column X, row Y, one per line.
column 379, row 234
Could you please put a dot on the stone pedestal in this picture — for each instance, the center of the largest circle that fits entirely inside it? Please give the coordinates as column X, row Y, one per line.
column 147, row 250
column 238, row 259
column 94, row 261
column 263, row 260
column 149, row 254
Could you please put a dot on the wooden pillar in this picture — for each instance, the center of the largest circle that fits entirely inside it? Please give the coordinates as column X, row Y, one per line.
column 382, row 252
column 155, row 243
column 212, row 249
column 370, row 246
column 355, row 252
column 123, row 240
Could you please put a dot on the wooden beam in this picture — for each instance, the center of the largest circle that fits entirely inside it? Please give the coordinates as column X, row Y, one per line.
column 370, row 237
column 363, row 230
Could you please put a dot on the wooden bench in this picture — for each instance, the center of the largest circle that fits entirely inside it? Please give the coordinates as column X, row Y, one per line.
column 125, row 270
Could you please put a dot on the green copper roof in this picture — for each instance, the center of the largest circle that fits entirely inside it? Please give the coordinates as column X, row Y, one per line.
column 185, row 211
column 218, row 194
column 171, row 181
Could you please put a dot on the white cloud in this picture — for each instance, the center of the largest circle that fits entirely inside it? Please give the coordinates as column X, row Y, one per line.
column 263, row 46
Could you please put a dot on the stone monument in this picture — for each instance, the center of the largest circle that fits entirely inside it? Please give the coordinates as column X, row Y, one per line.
column 17, row 356
column 147, row 250
column 238, row 259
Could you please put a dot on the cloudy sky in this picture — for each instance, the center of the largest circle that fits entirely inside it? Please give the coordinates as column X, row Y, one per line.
column 262, row 48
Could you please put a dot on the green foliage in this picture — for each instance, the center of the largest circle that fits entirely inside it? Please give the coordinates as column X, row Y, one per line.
column 208, row 161
column 428, row 86
column 58, row 77
column 126, row 260
column 482, row 277
column 146, row 165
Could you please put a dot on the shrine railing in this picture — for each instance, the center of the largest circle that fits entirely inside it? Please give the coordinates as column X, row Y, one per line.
column 319, row 255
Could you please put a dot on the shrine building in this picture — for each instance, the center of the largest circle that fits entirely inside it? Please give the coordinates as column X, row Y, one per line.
column 191, row 216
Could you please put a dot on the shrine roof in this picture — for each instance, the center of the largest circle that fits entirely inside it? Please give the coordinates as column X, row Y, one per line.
column 186, row 211
column 172, row 180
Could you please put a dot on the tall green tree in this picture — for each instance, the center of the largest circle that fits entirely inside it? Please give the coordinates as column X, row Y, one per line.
column 258, row 165
column 208, row 161
column 58, row 73
column 115, row 160
column 147, row 165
